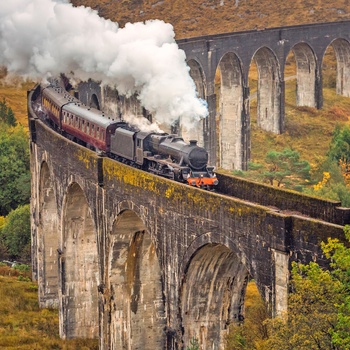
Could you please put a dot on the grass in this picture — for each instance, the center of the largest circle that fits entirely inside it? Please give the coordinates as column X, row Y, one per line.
column 23, row 325
column 198, row 17
column 308, row 130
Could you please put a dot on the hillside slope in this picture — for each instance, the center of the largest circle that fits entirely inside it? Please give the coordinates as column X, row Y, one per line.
column 198, row 17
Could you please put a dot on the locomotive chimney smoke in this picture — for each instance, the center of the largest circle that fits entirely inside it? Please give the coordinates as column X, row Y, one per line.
column 142, row 123
column 43, row 38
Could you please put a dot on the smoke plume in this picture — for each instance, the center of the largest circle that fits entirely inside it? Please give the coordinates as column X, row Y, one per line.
column 43, row 38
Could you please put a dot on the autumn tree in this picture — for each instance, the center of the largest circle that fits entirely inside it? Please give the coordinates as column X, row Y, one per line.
column 318, row 315
column 339, row 254
column 334, row 173
column 14, row 169
column 319, row 305
column 284, row 167
column 6, row 114
column 340, row 145
column 15, row 234
column 252, row 333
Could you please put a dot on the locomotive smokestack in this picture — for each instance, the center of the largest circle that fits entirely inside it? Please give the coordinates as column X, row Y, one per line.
column 193, row 142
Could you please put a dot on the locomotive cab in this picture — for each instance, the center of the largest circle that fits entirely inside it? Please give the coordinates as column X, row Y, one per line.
column 141, row 149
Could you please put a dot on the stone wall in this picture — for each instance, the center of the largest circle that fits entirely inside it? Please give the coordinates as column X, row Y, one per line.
column 284, row 200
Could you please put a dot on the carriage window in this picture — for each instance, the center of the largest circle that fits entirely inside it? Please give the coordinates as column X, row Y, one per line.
column 139, row 143
column 71, row 119
column 88, row 128
column 98, row 132
column 83, row 125
column 77, row 122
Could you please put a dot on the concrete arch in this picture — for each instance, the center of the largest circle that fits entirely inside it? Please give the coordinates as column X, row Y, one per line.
column 341, row 48
column 134, row 283
column 229, row 154
column 79, row 268
column 216, row 238
column 197, row 131
column 207, row 311
column 269, row 95
column 306, row 71
column 47, row 241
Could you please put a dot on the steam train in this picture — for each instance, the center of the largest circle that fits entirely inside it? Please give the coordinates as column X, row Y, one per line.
column 162, row 154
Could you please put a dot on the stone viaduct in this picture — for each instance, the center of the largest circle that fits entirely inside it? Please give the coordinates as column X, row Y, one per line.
column 220, row 66
column 141, row 262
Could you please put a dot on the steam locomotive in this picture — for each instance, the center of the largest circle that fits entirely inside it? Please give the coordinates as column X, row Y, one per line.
column 162, row 154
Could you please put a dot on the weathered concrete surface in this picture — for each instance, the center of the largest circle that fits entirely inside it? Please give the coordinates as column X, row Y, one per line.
column 147, row 263
column 231, row 54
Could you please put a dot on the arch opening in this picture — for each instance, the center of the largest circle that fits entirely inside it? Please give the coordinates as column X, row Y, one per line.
column 196, row 131
column 336, row 67
column 136, row 301
column 252, row 330
column 229, row 88
column 306, row 75
column 213, row 294
column 47, row 242
column 269, row 115
column 79, row 268
column 94, row 102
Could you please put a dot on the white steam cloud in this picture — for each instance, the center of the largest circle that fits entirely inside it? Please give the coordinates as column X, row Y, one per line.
column 43, row 38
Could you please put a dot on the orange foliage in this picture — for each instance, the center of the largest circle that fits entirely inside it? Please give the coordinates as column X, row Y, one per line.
column 338, row 114
column 345, row 170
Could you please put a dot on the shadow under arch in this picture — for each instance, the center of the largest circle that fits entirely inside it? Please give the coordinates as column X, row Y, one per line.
column 196, row 132
column 270, row 117
column 212, row 295
column 48, row 241
column 229, row 114
column 341, row 49
column 79, row 268
column 306, row 75
column 136, row 300
column 94, row 102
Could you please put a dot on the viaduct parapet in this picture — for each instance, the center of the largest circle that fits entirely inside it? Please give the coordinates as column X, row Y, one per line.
column 141, row 262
